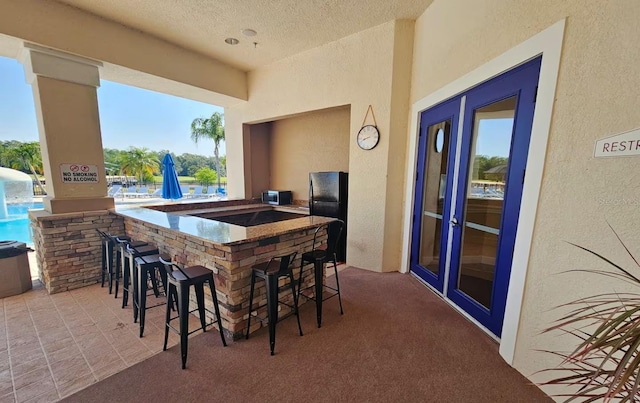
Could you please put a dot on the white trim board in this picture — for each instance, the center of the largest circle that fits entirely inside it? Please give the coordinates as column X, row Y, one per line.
column 547, row 43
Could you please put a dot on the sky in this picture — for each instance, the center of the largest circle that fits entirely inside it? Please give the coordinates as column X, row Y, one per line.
column 494, row 137
column 129, row 116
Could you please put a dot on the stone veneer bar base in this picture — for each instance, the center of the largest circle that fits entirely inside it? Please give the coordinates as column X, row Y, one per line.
column 68, row 247
column 232, row 268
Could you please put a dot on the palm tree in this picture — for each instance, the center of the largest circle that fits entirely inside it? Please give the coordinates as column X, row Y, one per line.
column 26, row 156
column 211, row 128
column 139, row 162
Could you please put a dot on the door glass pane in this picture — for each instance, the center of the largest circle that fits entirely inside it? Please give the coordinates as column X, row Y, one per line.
column 488, row 161
column 437, row 153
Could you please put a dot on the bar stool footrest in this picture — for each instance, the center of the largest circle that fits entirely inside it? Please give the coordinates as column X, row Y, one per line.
column 330, row 294
column 153, row 306
column 176, row 331
column 254, row 310
column 190, row 312
column 254, row 314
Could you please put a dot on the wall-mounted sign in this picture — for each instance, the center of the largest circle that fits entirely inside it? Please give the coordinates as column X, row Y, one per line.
column 620, row 145
column 79, row 173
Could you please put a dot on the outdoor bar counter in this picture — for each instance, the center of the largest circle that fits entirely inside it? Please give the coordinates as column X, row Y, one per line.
column 229, row 250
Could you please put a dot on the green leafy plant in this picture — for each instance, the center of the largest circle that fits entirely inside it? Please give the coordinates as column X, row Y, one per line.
column 605, row 364
column 206, row 176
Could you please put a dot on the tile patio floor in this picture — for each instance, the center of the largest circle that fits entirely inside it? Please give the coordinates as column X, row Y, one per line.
column 54, row 345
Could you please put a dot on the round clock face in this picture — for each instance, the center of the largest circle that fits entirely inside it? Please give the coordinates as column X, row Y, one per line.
column 368, row 137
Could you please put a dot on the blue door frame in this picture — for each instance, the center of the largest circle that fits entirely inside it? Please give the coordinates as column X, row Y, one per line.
column 449, row 110
column 520, row 82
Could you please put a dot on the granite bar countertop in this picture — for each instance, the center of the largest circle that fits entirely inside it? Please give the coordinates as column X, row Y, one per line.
column 219, row 232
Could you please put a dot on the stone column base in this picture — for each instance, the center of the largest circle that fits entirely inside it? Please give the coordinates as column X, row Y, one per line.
column 68, row 248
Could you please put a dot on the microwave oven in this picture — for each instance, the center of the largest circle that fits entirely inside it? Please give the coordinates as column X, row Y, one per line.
column 277, row 197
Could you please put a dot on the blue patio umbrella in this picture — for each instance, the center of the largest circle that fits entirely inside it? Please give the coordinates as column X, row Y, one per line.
column 170, row 184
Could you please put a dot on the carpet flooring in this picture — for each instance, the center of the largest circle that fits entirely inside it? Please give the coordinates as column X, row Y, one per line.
column 396, row 342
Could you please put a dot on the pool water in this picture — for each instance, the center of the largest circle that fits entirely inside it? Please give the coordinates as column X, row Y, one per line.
column 16, row 227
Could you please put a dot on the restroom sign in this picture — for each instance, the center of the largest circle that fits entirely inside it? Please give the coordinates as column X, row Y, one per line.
column 79, row 173
column 620, row 145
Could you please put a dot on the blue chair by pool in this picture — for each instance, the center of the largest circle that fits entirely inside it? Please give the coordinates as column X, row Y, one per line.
column 114, row 190
column 142, row 192
column 130, row 192
column 197, row 192
column 211, row 192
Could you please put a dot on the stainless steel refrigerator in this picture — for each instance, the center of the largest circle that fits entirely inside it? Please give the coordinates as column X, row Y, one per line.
column 328, row 195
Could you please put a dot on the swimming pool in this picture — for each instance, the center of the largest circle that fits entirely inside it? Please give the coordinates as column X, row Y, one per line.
column 16, row 226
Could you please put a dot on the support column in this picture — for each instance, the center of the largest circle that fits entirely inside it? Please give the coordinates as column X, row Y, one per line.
column 64, row 92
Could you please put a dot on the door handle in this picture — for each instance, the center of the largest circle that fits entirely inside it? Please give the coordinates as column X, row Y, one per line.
column 454, row 222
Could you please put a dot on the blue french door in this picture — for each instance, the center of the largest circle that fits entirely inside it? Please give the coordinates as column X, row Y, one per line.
column 432, row 207
column 472, row 156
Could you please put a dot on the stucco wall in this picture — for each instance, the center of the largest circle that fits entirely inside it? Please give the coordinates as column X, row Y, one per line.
column 359, row 71
column 317, row 141
column 400, row 107
column 259, row 157
column 596, row 97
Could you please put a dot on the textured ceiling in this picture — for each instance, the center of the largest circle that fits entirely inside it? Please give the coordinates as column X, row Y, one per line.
column 285, row 27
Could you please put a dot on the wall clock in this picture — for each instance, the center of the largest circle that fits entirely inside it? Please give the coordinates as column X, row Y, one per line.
column 368, row 137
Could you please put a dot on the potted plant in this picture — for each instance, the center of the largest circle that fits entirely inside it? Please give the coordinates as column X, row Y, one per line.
column 605, row 364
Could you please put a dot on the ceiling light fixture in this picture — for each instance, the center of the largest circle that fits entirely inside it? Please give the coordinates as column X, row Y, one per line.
column 249, row 32
column 232, row 41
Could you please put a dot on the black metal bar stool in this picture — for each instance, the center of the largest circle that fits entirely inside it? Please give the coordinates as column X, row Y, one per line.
column 122, row 264
column 129, row 253
column 146, row 267
column 107, row 246
column 179, row 283
column 271, row 272
column 110, row 250
column 319, row 256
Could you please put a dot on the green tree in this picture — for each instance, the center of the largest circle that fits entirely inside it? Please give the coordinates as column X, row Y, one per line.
column 3, row 149
column 211, row 128
column 26, row 157
column 140, row 162
column 206, row 176
column 148, row 177
column 113, row 161
column 190, row 163
column 483, row 163
column 223, row 166
column 5, row 146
